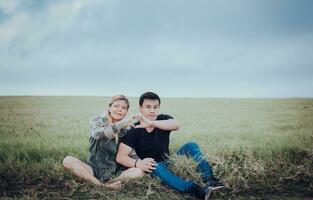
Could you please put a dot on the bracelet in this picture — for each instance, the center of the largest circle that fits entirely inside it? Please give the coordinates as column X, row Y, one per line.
column 136, row 163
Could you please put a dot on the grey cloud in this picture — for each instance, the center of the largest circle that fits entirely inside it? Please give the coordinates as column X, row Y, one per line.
column 202, row 48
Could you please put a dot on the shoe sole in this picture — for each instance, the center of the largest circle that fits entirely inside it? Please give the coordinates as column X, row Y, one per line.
column 217, row 188
column 207, row 195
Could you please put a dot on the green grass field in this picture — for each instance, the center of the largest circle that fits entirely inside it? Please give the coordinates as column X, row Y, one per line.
column 261, row 148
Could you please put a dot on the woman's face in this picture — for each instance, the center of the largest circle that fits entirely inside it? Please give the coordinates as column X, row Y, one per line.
column 118, row 110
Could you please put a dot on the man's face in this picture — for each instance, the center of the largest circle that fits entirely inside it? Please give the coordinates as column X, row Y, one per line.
column 150, row 108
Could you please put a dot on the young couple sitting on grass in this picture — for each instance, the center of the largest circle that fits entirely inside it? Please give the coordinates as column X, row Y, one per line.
column 119, row 149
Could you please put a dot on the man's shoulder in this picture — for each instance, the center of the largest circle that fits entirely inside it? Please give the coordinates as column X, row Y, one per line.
column 130, row 137
column 131, row 132
column 164, row 117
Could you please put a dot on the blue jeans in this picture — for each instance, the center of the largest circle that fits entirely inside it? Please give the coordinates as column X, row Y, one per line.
column 192, row 150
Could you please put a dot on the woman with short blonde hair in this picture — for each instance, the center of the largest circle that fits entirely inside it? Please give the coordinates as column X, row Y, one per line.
column 104, row 133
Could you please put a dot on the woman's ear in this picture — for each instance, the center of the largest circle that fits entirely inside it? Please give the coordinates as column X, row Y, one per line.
column 108, row 114
column 107, row 111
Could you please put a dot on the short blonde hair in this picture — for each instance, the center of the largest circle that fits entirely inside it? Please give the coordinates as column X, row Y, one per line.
column 119, row 97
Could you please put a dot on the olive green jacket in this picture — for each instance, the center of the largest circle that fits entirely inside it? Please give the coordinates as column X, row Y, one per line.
column 102, row 151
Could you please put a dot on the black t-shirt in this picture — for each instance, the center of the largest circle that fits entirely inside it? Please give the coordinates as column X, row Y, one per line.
column 149, row 145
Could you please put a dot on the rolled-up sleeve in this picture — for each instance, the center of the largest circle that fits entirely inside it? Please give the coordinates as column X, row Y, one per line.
column 99, row 128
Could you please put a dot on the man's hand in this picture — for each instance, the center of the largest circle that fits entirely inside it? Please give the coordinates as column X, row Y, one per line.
column 144, row 122
column 147, row 164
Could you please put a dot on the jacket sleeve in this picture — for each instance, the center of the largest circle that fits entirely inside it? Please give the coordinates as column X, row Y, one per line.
column 100, row 128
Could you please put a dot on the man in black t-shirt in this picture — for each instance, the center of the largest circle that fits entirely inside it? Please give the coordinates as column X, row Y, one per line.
column 150, row 144
column 149, row 138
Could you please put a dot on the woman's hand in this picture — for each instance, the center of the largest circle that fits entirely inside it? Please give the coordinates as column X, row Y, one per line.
column 125, row 122
column 144, row 122
column 147, row 164
column 129, row 121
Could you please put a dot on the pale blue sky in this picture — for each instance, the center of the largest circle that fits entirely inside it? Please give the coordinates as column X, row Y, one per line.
column 221, row 48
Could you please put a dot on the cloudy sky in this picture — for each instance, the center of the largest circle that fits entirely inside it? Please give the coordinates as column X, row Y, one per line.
column 204, row 48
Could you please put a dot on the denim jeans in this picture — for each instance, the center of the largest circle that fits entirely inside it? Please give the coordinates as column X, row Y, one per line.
column 192, row 150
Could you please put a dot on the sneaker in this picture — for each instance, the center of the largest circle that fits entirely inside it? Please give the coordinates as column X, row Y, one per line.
column 214, row 183
column 207, row 192
column 199, row 191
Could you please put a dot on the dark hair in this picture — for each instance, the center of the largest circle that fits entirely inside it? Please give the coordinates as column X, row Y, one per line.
column 149, row 95
column 117, row 98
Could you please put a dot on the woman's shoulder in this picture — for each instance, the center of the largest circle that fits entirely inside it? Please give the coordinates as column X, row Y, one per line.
column 102, row 118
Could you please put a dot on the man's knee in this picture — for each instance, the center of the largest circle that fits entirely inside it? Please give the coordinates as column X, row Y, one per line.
column 188, row 148
column 191, row 145
column 159, row 170
column 67, row 161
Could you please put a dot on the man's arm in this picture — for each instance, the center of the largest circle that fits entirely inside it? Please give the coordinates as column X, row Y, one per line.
column 122, row 157
column 168, row 124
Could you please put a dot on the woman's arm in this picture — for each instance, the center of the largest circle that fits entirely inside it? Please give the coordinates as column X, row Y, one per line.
column 98, row 131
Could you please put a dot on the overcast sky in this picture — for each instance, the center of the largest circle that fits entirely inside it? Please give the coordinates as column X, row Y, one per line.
column 221, row 48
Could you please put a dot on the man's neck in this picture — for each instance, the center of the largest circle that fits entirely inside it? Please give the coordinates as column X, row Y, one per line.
column 150, row 129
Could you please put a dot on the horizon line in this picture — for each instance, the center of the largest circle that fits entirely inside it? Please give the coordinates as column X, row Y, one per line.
column 131, row 96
